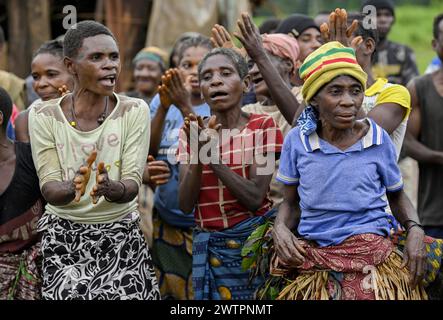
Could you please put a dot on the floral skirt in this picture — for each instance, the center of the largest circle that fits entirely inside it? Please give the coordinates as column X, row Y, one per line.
column 96, row 262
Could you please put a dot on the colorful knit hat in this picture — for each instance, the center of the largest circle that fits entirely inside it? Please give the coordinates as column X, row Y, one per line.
column 326, row 63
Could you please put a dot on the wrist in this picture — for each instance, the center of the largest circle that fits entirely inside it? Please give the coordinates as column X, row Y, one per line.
column 116, row 192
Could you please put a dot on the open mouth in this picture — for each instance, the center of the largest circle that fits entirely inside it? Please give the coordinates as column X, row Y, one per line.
column 257, row 80
column 109, row 81
column 218, row 95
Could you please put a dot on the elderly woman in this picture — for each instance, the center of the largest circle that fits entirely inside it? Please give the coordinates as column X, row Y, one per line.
column 335, row 174
column 229, row 191
column 149, row 66
column 89, row 149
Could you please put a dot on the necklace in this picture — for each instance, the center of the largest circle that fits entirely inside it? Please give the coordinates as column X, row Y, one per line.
column 101, row 118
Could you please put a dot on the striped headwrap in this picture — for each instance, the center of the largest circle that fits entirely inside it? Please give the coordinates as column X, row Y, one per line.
column 326, row 63
column 153, row 54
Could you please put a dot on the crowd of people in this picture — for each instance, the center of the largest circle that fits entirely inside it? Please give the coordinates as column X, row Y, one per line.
column 293, row 157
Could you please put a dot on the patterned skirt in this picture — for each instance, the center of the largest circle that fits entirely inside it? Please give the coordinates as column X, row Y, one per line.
column 96, row 262
column 20, row 275
column 172, row 256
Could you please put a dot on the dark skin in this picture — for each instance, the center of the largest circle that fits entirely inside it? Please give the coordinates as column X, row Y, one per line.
column 7, row 156
column 147, row 76
column 179, row 87
column 156, row 173
column 51, row 81
column 387, row 115
column 413, row 147
column 338, row 104
column 277, row 79
column 95, row 70
column 220, row 76
column 385, row 21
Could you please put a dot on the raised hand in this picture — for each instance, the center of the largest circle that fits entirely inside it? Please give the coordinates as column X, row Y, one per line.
column 337, row 29
column 249, row 36
column 176, row 90
column 102, row 186
column 222, row 39
column 82, row 177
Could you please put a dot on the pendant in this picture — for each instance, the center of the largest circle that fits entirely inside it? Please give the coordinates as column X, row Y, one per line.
column 73, row 124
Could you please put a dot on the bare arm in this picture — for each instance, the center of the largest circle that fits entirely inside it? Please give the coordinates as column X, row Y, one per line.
column 157, row 126
column 414, row 254
column 59, row 193
column 280, row 90
column 413, row 147
column 21, row 127
column 249, row 192
column 189, row 186
column 286, row 244
column 388, row 116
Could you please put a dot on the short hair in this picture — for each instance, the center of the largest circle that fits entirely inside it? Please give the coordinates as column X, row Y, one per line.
column 236, row 58
column 177, row 45
column 5, row 107
column 2, row 36
column 53, row 47
column 437, row 21
column 194, row 42
column 86, row 29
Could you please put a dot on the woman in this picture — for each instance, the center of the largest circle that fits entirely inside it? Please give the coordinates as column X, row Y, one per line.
column 21, row 206
column 92, row 129
column 342, row 226
column 178, row 96
column 51, row 81
column 230, row 189
column 149, row 66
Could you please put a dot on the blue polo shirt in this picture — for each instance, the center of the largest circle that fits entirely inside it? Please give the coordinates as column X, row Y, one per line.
column 166, row 196
column 341, row 192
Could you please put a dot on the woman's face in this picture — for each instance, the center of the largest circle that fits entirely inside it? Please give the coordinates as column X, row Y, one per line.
column 189, row 67
column 221, row 85
column 260, row 87
column 97, row 65
column 308, row 41
column 147, row 76
column 339, row 101
column 50, row 74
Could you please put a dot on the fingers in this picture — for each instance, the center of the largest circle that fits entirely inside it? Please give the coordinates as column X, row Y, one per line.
column 201, row 124
column 356, row 42
column 101, row 169
column 212, row 122
column 324, row 30
column 91, row 159
column 332, row 25
column 216, row 37
column 151, row 158
column 240, row 38
column 352, row 28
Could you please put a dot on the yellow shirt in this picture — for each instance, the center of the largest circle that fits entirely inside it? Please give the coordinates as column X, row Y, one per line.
column 384, row 92
column 59, row 150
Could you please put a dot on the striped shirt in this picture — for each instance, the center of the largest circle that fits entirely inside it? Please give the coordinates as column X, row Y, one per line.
column 217, row 208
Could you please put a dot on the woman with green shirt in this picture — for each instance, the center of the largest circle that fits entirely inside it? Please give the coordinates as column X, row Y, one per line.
column 89, row 149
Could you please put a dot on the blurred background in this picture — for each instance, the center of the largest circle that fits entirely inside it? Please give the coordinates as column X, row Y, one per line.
column 137, row 23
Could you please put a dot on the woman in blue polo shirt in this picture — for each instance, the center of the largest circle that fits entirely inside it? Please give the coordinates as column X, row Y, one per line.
column 336, row 172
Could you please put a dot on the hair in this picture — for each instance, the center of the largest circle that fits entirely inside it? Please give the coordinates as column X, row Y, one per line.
column 269, row 26
column 178, row 43
column 236, row 58
column 2, row 36
column 194, row 42
column 365, row 33
column 53, row 47
column 437, row 21
column 86, row 29
column 5, row 107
